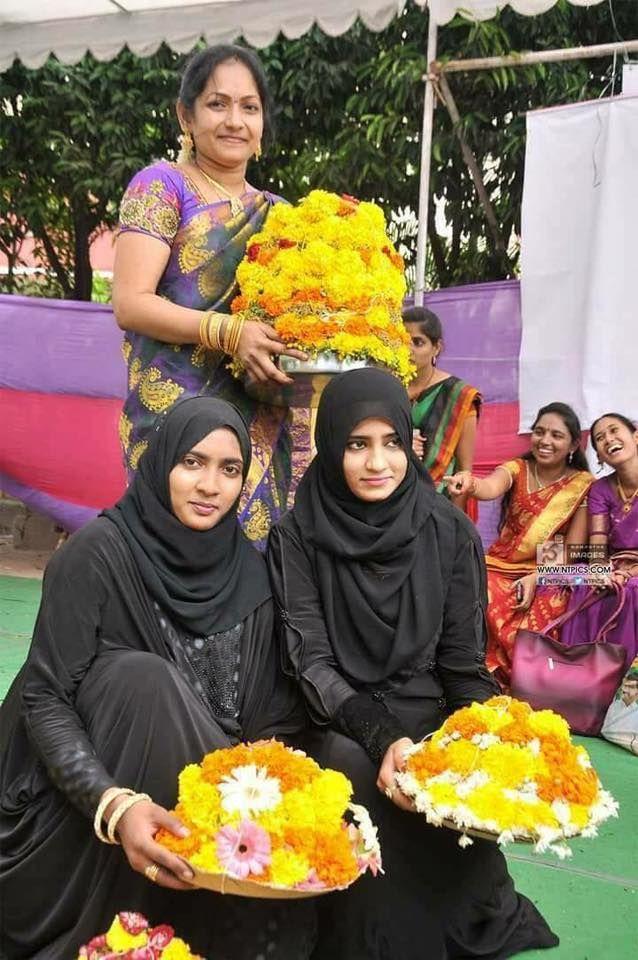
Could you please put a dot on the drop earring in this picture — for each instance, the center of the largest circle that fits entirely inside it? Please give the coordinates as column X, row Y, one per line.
column 185, row 154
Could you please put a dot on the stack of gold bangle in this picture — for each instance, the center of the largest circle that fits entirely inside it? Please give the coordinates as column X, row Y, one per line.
column 108, row 796
column 210, row 330
column 217, row 332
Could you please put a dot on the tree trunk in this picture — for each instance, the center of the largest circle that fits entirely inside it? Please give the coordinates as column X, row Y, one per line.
column 83, row 272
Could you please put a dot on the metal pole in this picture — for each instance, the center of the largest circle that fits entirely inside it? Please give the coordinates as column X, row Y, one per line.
column 537, row 56
column 426, row 160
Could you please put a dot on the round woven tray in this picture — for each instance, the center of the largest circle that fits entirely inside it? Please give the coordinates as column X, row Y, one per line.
column 480, row 834
column 221, row 883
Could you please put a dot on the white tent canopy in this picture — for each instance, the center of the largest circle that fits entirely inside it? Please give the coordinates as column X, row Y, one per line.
column 32, row 29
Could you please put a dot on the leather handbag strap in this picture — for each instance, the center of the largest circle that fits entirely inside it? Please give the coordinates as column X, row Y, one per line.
column 601, row 636
column 587, row 601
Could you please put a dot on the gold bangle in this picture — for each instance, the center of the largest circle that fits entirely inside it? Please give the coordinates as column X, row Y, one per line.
column 109, row 794
column 238, row 332
column 203, row 331
column 119, row 812
column 234, row 331
column 472, row 488
column 214, row 331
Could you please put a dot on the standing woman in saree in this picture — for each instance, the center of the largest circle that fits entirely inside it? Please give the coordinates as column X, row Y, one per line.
column 445, row 409
column 184, row 228
column 544, row 498
column 613, row 526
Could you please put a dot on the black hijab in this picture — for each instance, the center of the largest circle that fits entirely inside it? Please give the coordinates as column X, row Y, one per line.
column 207, row 581
column 370, row 570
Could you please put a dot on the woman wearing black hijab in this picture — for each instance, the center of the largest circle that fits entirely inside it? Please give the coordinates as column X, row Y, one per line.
column 153, row 646
column 381, row 587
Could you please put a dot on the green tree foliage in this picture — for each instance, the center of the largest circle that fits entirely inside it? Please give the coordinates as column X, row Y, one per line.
column 349, row 120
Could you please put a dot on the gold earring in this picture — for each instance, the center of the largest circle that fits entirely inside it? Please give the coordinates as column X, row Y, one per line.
column 185, row 154
column 258, row 152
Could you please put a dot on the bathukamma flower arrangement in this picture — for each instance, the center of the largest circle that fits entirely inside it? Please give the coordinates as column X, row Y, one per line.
column 504, row 769
column 265, row 820
column 325, row 274
column 130, row 937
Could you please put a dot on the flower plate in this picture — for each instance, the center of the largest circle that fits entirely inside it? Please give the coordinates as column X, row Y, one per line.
column 309, row 379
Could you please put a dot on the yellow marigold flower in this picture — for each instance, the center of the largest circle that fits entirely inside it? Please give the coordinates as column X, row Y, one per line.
column 443, row 793
column 579, row 815
column 177, row 949
column 118, row 940
column 509, row 764
column 297, row 807
column 287, row 868
column 546, row 723
column 331, row 793
column 462, row 756
column 206, row 858
column 200, row 799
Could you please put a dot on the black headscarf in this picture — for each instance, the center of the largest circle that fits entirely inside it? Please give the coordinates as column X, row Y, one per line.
column 206, row 580
column 371, row 573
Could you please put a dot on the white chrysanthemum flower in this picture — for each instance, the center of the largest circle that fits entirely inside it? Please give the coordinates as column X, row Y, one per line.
column 562, row 812
column 465, row 841
column 534, row 746
column 248, row 790
column 485, row 740
column 366, row 828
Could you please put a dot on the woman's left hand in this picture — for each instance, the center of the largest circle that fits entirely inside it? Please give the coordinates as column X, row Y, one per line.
column 136, row 831
column 392, row 763
column 524, row 590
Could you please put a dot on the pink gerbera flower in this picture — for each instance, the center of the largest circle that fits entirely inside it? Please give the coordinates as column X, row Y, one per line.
column 243, row 851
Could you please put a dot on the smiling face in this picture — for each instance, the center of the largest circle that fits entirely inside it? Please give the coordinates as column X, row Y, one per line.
column 551, row 442
column 614, row 442
column 207, row 481
column 422, row 349
column 226, row 122
column 374, row 461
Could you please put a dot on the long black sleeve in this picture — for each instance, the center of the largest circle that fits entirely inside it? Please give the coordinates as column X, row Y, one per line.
column 310, row 658
column 460, row 655
column 64, row 644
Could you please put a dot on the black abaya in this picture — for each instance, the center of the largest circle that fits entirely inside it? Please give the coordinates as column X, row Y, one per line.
column 105, row 699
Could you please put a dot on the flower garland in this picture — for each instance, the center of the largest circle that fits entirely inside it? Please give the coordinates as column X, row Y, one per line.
column 270, row 814
column 506, row 769
column 131, row 938
column 325, row 274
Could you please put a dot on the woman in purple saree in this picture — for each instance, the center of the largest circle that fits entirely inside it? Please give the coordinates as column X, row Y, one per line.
column 184, row 228
column 613, row 524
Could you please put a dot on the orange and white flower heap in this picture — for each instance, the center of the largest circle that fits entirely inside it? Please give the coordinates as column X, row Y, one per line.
column 326, row 275
column 511, row 771
column 130, row 937
column 270, row 814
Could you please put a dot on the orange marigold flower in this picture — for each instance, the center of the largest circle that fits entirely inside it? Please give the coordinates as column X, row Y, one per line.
column 334, row 860
column 239, row 303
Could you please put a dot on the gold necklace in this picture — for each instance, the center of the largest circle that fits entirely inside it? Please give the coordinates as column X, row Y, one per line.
column 627, row 502
column 541, row 486
column 236, row 205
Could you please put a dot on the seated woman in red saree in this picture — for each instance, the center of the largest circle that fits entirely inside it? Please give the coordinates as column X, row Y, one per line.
column 613, row 525
column 544, row 498
column 445, row 409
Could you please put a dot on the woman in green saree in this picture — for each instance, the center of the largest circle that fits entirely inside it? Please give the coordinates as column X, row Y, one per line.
column 445, row 409
column 184, row 228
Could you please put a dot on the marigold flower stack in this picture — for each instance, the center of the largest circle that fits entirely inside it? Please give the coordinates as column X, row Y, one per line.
column 130, row 937
column 510, row 771
column 328, row 278
column 270, row 815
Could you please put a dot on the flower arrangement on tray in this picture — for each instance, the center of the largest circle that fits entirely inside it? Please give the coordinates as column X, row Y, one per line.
column 130, row 937
column 266, row 820
column 503, row 770
column 326, row 276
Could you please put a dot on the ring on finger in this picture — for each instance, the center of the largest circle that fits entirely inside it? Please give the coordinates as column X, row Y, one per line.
column 389, row 792
column 151, row 871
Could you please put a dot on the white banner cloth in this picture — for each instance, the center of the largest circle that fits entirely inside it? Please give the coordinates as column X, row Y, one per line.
column 579, row 282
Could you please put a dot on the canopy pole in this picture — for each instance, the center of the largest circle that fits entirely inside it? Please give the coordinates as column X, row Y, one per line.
column 536, row 56
column 426, row 162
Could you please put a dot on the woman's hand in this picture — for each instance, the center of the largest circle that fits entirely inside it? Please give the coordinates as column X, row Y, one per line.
column 524, row 590
column 257, row 346
column 136, row 830
column 418, row 444
column 460, row 484
column 392, row 763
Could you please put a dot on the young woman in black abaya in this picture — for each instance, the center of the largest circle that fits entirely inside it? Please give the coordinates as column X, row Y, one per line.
column 153, row 646
column 381, row 586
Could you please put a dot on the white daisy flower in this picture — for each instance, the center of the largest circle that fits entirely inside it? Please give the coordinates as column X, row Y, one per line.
column 248, row 790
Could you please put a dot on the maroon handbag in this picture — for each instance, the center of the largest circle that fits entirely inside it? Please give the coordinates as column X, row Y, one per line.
column 578, row 682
